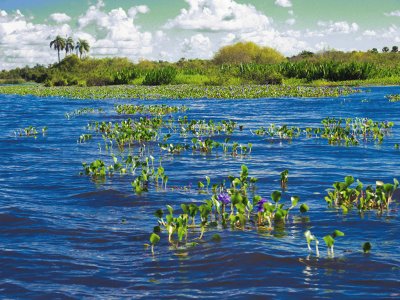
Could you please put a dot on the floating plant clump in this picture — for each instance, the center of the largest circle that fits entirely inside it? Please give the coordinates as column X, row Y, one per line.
column 283, row 132
column 205, row 128
column 354, row 131
column 346, row 132
column 133, row 165
column 179, row 91
column 394, row 98
column 30, row 131
column 155, row 110
column 236, row 206
column 83, row 111
column 328, row 239
column 344, row 196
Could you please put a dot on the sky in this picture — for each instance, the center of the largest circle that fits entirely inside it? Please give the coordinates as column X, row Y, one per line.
column 172, row 29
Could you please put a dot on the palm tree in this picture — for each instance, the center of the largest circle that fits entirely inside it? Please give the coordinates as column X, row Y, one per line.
column 82, row 46
column 58, row 44
column 69, row 45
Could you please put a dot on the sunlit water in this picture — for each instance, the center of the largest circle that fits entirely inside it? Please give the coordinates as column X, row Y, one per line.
column 62, row 236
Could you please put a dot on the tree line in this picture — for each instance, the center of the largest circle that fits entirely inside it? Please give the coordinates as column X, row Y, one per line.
column 68, row 44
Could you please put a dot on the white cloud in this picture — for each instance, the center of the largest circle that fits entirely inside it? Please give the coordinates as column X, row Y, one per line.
column 217, row 15
column 283, row 3
column 60, row 18
column 197, row 46
column 395, row 13
column 117, row 34
column 369, row 33
column 338, row 27
column 291, row 21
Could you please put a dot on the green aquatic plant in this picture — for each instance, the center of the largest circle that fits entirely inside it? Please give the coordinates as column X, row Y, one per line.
column 394, row 98
column 353, row 131
column 178, row 91
column 367, row 247
column 330, row 241
column 345, row 196
column 30, row 131
column 309, row 238
column 155, row 110
column 284, row 179
column 229, row 205
column 83, row 111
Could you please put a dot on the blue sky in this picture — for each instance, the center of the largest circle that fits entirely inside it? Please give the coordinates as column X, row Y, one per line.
column 171, row 29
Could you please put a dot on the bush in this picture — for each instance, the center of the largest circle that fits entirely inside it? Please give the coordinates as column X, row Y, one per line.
column 160, row 76
column 244, row 53
column 99, row 80
column 126, row 76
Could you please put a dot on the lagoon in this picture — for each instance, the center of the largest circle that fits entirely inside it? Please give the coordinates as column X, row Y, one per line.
column 64, row 236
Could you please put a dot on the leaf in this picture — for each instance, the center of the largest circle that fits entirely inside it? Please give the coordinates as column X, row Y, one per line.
column 367, row 247
column 208, row 180
column 329, row 241
column 216, row 238
column 159, row 213
column 170, row 209
column 185, row 208
column 154, row 238
column 349, row 180
column 294, row 200
column 156, row 229
column 337, row 233
column 276, row 196
column 304, row 208
column 379, row 183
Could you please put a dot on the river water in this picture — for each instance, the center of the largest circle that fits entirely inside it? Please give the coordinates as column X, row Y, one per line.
column 63, row 236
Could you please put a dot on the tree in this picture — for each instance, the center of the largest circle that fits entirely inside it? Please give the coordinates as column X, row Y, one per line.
column 385, row 49
column 82, row 46
column 69, row 45
column 58, row 44
column 247, row 52
column 374, row 50
column 395, row 49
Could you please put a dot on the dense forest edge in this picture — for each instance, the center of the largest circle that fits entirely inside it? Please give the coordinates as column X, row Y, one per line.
column 238, row 64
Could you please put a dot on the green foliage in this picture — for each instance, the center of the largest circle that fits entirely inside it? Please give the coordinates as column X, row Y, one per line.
column 244, row 53
column 125, row 76
column 160, row 76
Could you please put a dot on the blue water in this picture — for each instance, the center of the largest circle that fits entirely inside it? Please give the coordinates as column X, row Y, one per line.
column 63, row 236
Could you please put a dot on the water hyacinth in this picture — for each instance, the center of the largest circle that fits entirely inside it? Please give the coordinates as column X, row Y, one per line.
column 260, row 205
column 224, row 198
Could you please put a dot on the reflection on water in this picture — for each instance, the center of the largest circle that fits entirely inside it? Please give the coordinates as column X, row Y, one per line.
column 63, row 236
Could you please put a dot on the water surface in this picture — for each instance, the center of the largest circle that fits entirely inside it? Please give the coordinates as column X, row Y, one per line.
column 62, row 236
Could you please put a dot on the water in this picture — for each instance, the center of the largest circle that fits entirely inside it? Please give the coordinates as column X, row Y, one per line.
column 63, row 236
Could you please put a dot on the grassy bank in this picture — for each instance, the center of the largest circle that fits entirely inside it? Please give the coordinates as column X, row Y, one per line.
column 177, row 91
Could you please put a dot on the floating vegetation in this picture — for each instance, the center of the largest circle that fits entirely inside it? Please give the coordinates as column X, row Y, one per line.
column 179, row 91
column 345, row 132
column 155, row 110
column 394, row 98
column 83, row 111
column 353, row 131
column 344, row 196
column 205, row 128
column 283, row 132
column 30, row 131
column 235, row 206
column 328, row 239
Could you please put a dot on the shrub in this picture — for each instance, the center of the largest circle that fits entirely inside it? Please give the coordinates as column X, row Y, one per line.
column 247, row 53
column 160, row 76
column 125, row 76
